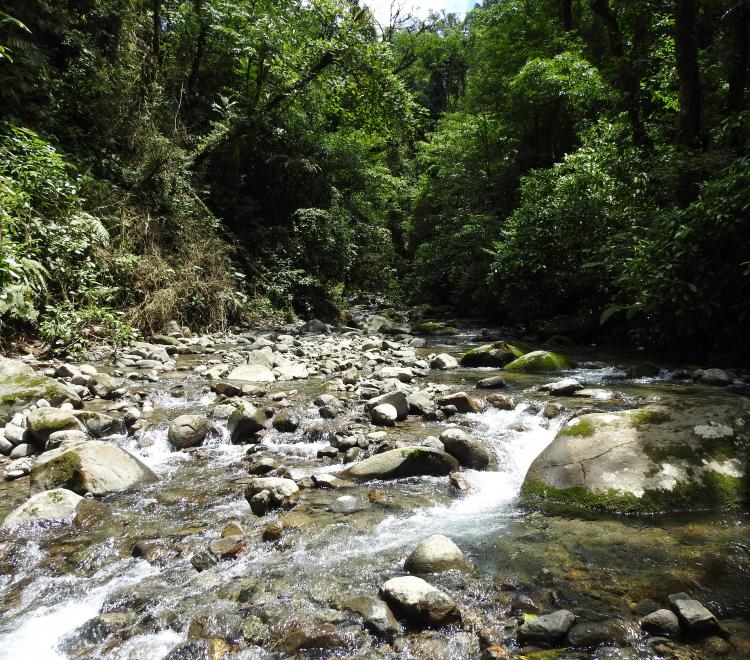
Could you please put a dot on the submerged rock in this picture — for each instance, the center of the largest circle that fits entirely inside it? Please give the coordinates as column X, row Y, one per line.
column 435, row 554
column 376, row 614
column 539, row 362
column 89, row 467
column 51, row 505
column 404, row 462
column 658, row 458
column 547, row 629
column 420, row 602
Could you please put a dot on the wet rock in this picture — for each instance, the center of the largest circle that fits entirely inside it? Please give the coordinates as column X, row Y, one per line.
column 420, row 602
column 316, row 327
column 153, row 551
column 396, row 399
column 716, row 377
column 273, row 531
column 260, row 503
column 105, row 386
column 547, row 629
column 100, row 425
column 443, row 362
column 469, row 451
column 539, row 362
column 286, row 422
column 462, row 402
column 491, row 383
column 227, row 547
column 330, row 482
column 42, row 422
column 643, row 370
column 500, row 401
column 435, row 554
column 90, row 467
column 216, row 625
column 187, row 431
column 204, row 560
column 564, row 387
column 232, row 529
column 245, row 423
column 96, row 630
column 695, row 617
column 404, row 462
column 420, row 404
column 58, row 504
column 312, row 635
column 460, row 482
column 227, row 389
column 552, row 410
column 384, row 415
column 492, row 355
column 594, row 633
column 199, row 649
column 280, row 490
column 263, row 466
column 252, row 373
column 377, row 616
column 346, row 504
column 661, row 622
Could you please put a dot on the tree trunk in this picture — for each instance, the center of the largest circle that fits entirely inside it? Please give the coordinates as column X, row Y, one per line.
column 566, row 14
column 686, row 49
column 602, row 9
column 738, row 58
column 156, row 39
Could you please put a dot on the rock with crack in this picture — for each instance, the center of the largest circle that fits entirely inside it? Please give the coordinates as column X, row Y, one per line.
column 661, row 457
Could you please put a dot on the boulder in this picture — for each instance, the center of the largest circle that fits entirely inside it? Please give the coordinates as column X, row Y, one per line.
column 286, row 422
column 384, row 415
column 547, row 629
column 663, row 457
column 252, row 373
column 661, row 622
column 469, row 451
column 404, row 462
column 695, row 617
column 245, row 423
column 643, row 370
column 100, row 425
column 42, row 422
column 397, row 399
column 187, row 431
column 435, row 554
column 280, row 490
column 316, row 327
column 595, row 633
column 58, row 504
column 716, row 377
column 377, row 616
column 492, row 355
column 421, row 404
column 93, row 467
column 491, row 383
column 462, row 402
column 564, row 387
column 500, row 401
column 22, row 451
column 104, row 386
column 420, row 602
column 539, row 362
column 59, row 437
column 443, row 362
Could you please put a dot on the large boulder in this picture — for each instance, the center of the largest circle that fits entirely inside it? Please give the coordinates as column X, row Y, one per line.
column 252, row 373
column 20, row 387
column 469, row 451
column 187, row 431
column 492, row 355
column 42, row 422
column 539, row 362
column 404, row 462
column 397, row 399
column 420, row 602
column 58, row 504
column 435, row 554
column 673, row 456
column 93, row 467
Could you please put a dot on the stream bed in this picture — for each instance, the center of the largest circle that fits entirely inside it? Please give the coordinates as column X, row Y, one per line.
column 78, row 591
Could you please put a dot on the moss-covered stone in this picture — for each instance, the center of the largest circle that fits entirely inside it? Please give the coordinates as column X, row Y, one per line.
column 65, row 472
column 435, row 328
column 539, row 362
column 582, row 428
column 25, row 389
column 493, row 355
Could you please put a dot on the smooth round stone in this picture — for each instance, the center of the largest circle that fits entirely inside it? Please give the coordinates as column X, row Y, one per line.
column 435, row 554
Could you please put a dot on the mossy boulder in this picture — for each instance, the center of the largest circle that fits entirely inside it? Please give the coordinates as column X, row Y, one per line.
column 674, row 456
column 20, row 387
column 539, row 362
column 42, row 422
column 55, row 505
column 434, row 328
column 94, row 466
column 495, row 355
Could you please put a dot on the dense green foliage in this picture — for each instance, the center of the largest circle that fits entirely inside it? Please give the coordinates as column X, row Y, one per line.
column 207, row 160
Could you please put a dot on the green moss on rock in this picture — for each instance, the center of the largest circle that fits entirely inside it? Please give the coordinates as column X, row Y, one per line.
column 649, row 416
column 539, row 362
column 493, row 355
column 64, row 472
column 583, row 429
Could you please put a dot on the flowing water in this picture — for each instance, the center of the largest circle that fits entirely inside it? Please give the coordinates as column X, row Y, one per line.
column 55, row 580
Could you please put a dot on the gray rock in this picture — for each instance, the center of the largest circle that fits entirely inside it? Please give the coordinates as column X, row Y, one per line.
column 384, row 415
column 286, row 422
column 420, row 602
column 15, row 434
column 94, row 466
column 491, row 383
column 595, row 633
column 404, row 462
column 661, row 622
column 547, row 629
column 187, row 431
column 462, row 402
column 443, row 362
column 552, row 410
column 469, row 451
column 564, row 387
column 397, row 399
column 280, row 490
column 23, row 450
column 59, row 438
column 420, row 404
column 695, row 617
column 315, row 326
column 41, row 422
column 245, row 423
column 252, row 373
column 100, row 425
column 435, row 554
column 104, row 386
column 376, row 614
column 6, row 446
column 51, row 505
column 716, row 377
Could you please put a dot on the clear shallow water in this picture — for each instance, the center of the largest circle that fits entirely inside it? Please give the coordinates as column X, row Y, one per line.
column 53, row 581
